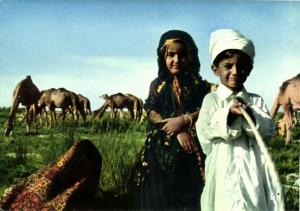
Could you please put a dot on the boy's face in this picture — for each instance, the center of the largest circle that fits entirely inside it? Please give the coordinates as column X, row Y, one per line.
column 176, row 58
column 233, row 71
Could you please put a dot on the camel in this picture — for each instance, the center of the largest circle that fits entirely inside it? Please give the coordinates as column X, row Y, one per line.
column 61, row 98
column 85, row 103
column 138, row 106
column 26, row 93
column 211, row 86
column 289, row 98
column 115, row 102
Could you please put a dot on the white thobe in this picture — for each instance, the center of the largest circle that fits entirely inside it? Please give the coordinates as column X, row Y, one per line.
column 236, row 174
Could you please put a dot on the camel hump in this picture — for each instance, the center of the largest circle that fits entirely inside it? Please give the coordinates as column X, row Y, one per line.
column 28, row 77
column 119, row 93
column 62, row 89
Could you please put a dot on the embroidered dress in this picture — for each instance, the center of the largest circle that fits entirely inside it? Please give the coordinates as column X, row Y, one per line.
column 63, row 185
column 236, row 174
column 167, row 177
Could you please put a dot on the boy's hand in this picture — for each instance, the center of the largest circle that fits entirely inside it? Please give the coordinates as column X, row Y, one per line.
column 237, row 103
column 186, row 141
column 173, row 125
column 234, row 110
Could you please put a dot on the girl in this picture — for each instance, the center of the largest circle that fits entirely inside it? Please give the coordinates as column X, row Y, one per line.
column 170, row 165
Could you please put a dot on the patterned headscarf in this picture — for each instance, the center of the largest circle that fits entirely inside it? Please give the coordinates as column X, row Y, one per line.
column 165, row 40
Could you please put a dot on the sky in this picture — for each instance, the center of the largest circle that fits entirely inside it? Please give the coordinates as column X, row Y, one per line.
column 105, row 47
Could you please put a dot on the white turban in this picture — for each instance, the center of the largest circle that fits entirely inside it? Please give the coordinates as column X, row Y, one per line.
column 225, row 39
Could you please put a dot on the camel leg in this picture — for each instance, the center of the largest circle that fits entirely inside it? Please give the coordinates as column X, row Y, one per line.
column 76, row 116
column 132, row 114
column 296, row 122
column 41, row 120
column 31, row 118
column 42, row 113
column 121, row 114
column 113, row 113
column 275, row 106
column 288, row 134
column 135, row 111
column 55, row 117
column 140, row 114
column 63, row 115
column 288, row 121
column 83, row 113
column 47, row 118
column 34, row 118
column 27, row 115
column 52, row 117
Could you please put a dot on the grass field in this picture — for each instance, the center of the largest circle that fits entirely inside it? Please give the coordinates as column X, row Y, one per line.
column 118, row 142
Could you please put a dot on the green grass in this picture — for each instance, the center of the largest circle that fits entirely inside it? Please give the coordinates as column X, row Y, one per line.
column 118, row 143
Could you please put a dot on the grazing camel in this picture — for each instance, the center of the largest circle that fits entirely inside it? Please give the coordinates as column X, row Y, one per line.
column 138, row 106
column 61, row 98
column 211, row 86
column 26, row 93
column 115, row 102
column 85, row 103
column 289, row 98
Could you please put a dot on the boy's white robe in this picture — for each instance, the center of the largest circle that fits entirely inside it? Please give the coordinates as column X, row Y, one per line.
column 236, row 174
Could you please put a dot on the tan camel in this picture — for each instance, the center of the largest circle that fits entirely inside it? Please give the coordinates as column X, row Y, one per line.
column 138, row 106
column 211, row 86
column 115, row 102
column 289, row 98
column 26, row 93
column 61, row 98
column 85, row 103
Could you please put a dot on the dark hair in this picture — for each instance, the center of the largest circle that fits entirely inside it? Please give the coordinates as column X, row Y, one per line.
column 226, row 54
column 187, row 40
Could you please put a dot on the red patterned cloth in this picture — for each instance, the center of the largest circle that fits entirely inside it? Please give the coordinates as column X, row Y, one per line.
column 73, row 177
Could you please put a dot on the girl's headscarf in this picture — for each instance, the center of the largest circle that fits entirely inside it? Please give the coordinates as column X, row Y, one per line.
column 194, row 66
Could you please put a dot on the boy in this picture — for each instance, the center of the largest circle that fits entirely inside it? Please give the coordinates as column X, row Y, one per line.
column 236, row 174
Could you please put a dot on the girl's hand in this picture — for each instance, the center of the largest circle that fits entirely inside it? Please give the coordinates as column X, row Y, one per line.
column 173, row 125
column 187, row 141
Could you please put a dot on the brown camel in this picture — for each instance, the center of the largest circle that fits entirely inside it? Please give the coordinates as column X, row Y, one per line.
column 61, row 98
column 115, row 102
column 138, row 106
column 289, row 98
column 211, row 86
column 26, row 93
column 85, row 103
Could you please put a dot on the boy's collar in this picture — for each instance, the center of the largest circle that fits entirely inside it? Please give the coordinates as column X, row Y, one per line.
column 224, row 93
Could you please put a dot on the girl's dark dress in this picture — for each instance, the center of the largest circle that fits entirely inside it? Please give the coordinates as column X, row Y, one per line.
column 166, row 177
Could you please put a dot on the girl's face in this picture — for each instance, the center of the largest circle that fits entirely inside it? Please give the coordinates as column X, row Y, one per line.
column 176, row 58
column 233, row 71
